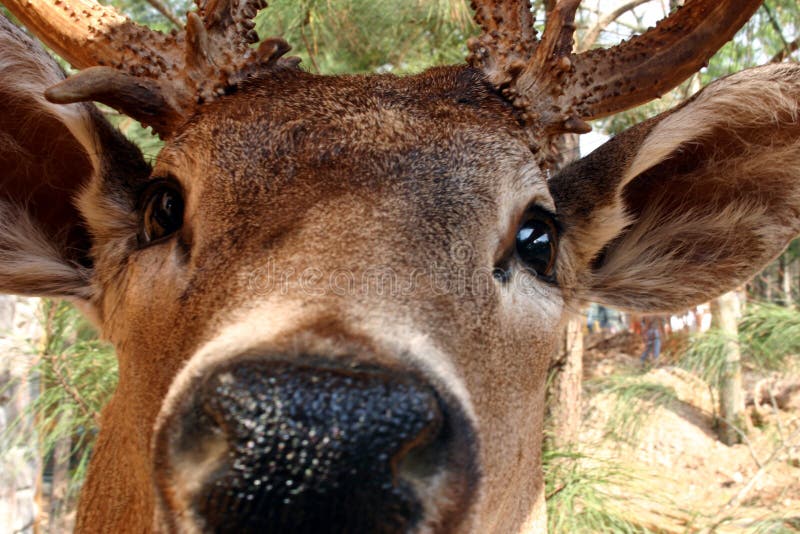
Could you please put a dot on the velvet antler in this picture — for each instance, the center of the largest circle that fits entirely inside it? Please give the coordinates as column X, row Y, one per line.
column 156, row 78
column 556, row 91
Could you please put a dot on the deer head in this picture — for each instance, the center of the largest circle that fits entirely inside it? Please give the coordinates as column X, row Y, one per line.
column 334, row 298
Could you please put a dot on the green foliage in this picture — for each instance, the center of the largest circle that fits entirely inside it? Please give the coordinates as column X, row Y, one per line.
column 76, row 375
column 787, row 525
column 635, row 401
column 705, row 356
column 147, row 141
column 793, row 250
column 764, row 35
column 586, row 494
column 144, row 13
column 768, row 336
column 768, row 525
column 363, row 36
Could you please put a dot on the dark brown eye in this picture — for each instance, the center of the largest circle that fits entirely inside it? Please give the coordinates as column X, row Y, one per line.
column 537, row 244
column 163, row 213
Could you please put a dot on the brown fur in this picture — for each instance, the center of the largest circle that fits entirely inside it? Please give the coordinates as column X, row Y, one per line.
column 309, row 177
column 688, row 192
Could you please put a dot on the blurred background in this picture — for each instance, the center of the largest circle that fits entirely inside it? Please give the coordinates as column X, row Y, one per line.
column 681, row 423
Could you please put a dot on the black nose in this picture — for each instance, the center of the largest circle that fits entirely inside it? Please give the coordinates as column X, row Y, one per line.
column 308, row 449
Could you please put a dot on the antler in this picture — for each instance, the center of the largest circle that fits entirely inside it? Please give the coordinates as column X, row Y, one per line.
column 556, row 91
column 156, row 78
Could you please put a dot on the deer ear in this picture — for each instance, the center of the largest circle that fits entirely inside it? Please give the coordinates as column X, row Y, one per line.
column 48, row 154
column 690, row 204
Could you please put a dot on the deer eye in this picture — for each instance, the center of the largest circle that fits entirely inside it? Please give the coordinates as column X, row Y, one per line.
column 162, row 213
column 537, row 243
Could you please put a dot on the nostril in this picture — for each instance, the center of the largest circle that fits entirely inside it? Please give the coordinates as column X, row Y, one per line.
column 310, row 449
column 418, row 460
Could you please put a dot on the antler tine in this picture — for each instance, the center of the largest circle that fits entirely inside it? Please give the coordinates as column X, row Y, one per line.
column 507, row 40
column 158, row 79
column 541, row 81
column 556, row 91
column 509, row 17
column 527, row 71
column 234, row 18
column 558, row 31
column 88, row 34
column 645, row 67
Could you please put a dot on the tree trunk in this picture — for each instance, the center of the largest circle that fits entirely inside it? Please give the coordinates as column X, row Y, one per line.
column 726, row 311
column 18, row 329
column 58, row 491
column 767, row 275
column 786, row 281
column 565, row 392
column 6, row 314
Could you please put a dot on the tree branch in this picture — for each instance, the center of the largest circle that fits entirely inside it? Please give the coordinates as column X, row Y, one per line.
column 311, row 51
column 65, row 381
column 593, row 33
column 736, row 499
column 162, row 8
column 786, row 51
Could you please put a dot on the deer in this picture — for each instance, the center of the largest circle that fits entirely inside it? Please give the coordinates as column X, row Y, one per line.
column 262, row 387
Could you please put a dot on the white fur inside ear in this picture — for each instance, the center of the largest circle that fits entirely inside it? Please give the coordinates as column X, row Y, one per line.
column 30, row 264
column 670, row 261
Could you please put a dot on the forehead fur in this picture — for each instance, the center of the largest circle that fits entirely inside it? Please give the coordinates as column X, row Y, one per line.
column 294, row 121
column 460, row 94
column 442, row 144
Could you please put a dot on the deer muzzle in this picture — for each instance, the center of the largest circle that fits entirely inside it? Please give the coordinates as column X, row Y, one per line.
column 275, row 446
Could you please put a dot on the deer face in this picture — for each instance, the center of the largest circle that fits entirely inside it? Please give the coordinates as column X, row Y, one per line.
column 363, row 268
column 334, row 298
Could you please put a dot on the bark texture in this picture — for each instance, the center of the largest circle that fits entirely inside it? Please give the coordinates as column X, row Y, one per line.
column 565, row 398
column 726, row 311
